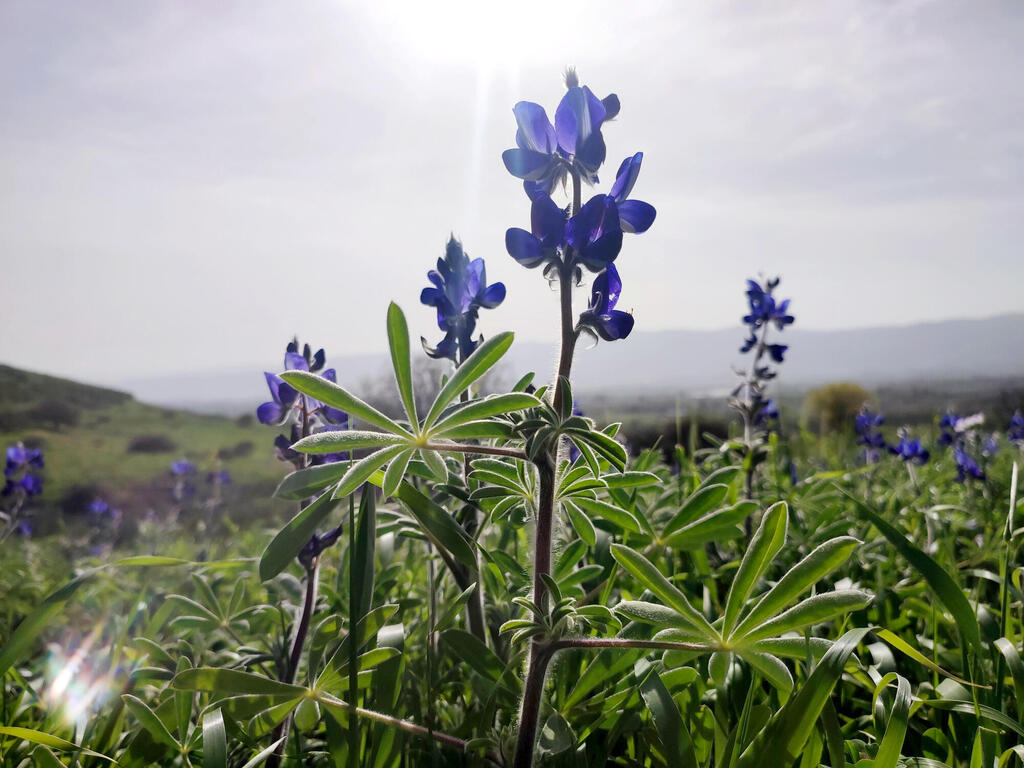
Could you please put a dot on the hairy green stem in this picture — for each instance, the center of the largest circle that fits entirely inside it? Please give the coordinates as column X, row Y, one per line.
column 540, row 653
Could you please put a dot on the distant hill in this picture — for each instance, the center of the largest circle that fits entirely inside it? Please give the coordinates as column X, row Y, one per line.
column 689, row 362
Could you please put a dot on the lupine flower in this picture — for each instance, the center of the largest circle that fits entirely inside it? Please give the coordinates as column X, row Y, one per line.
column 947, row 428
column 546, row 153
column 223, row 477
column 594, row 235
column 285, row 400
column 20, row 461
column 601, row 317
column 966, row 467
column 763, row 307
column 769, row 413
column 991, row 446
column 910, row 450
column 1015, row 431
column 98, row 508
column 592, row 238
column 866, row 425
column 459, row 291
column 183, row 468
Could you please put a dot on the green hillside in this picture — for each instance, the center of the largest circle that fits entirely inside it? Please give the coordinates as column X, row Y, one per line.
column 101, row 442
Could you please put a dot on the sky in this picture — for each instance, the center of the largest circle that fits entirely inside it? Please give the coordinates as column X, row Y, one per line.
column 184, row 186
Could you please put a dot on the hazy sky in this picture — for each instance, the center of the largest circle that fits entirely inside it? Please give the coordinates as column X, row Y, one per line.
column 184, row 185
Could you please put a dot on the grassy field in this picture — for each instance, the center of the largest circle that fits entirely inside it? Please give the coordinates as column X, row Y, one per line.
column 89, row 451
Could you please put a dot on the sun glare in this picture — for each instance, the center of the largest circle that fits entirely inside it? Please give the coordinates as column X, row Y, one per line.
column 79, row 680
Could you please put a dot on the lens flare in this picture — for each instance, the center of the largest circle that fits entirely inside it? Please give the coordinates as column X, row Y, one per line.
column 80, row 681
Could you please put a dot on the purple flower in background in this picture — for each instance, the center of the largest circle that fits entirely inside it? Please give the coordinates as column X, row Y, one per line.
column 910, row 450
column 763, row 307
column 769, row 413
column 21, row 461
column 1015, row 431
column 459, row 290
column 991, row 446
column 866, row 425
column 222, row 477
column 966, row 467
column 601, row 317
column 183, row 468
column 545, row 154
column 98, row 508
column 317, row 544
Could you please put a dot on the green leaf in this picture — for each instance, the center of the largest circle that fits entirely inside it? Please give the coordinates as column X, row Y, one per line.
column 768, row 540
column 396, row 472
column 580, row 523
column 675, row 740
column 889, row 748
column 290, row 540
column 364, row 554
column 479, row 657
column 813, row 610
column 652, row 578
column 615, row 515
column 701, row 501
column 720, row 524
column 30, row 627
column 475, row 366
column 437, row 524
column 328, row 392
column 435, row 462
column 262, row 756
column 658, row 615
column 907, row 649
column 233, row 681
column 631, row 479
column 148, row 719
column 347, row 440
column 303, row 483
column 360, row 472
column 401, row 360
column 484, row 408
column 215, row 740
column 801, row 577
column 773, row 670
column 944, row 586
column 1016, row 667
column 479, row 429
column 49, row 740
column 782, row 740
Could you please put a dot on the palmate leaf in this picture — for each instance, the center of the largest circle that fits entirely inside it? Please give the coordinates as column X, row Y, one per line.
column 652, row 578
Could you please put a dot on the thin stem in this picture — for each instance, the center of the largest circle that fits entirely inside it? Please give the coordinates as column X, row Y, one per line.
column 540, row 653
column 627, row 644
column 491, row 450
column 403, row 725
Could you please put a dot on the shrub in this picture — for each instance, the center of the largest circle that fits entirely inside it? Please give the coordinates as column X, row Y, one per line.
column 151, row 444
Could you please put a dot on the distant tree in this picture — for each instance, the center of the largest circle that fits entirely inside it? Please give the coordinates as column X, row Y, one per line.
column 833, row 406
column 151, row 444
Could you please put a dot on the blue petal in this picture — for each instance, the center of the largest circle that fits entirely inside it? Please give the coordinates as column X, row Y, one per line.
column 331, row 375
column 611, row 106
column 547, row 221
column 293, row 361
column 602, row 252
column 615, row 325
column 626, row 176
column 493, row 296
column 527, row 164
column 524, row 247
column 636, row 216
column 270, row 413
column 591, row 155
column 535, row 130
column 431, row 297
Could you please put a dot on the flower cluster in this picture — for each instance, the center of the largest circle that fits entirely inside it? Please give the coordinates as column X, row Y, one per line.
column 565, row 241
column 764, row 311
column 1015, row 430
column 970, row 449
column 459, row 290
column 183, row 488
column 866, row 425
column 909, row 450
column 304, row 414
column 19, row 476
